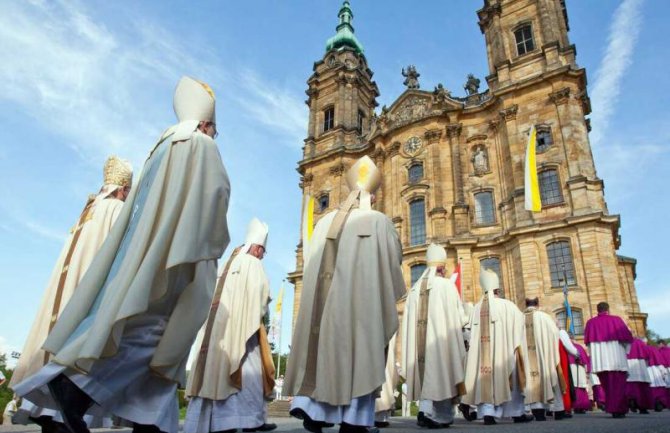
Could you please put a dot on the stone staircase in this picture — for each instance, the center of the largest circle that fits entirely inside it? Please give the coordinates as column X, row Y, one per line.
column 279, row 408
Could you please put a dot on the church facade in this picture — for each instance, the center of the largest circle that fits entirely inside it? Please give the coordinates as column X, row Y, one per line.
column 453, row 167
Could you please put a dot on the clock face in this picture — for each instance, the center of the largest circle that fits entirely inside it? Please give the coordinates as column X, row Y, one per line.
column 412, row 145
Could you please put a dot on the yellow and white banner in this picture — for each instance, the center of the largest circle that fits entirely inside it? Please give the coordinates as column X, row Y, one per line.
column 531, row 184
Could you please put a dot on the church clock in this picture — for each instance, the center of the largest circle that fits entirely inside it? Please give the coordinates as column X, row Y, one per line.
column 412, row 145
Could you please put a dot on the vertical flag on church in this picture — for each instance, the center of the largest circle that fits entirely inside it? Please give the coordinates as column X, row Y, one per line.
column 531, row 184
column 456, row 278
column 569, row 323
column 277, row 318
column 307, row 226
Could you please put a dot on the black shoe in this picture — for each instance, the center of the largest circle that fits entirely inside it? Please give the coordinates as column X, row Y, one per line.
column 658, row 407
column 489, row 420
column 644, row 412
column 49, row 425
column 382, row 424
column 618, row 415
column 522, row 418
column 308, row 423
column 72, row 403
column 559, row 415
column 580, row 411
column 431, row 424
column 465, row 410
column 264, row 427
column 420, row 419
column 568, row 414
column 150, row 428
column 350, row 428
column 539, row 414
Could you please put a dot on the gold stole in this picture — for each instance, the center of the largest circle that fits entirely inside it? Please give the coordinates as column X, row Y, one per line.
column 535, row 388
column 85, row 216
column 485, row 364
column 199, row 369
column 422, row 328
column 323, row 283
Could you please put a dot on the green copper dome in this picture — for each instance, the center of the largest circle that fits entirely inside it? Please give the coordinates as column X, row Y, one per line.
column 345, row 32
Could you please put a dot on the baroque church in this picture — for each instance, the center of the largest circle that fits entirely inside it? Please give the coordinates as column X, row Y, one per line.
column 453, row 167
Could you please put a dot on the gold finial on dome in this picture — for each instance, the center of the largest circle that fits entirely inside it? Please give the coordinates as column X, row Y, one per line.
column 117, row 172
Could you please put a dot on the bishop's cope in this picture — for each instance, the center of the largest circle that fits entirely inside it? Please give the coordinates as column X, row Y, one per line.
column 233, row 372
column 85, row 239
column 497, row 338
column 352, row 281
column 120, row 346
column 433, row 348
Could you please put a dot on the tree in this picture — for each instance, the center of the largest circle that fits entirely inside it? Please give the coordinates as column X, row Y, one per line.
column 6, row 394
column 654, row 339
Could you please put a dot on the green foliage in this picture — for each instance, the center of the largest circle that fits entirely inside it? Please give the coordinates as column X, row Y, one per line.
column 654, row 339
column 284, row 360
column 6, row 394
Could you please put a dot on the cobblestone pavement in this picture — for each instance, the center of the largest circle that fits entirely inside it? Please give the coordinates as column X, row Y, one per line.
column 590, row 423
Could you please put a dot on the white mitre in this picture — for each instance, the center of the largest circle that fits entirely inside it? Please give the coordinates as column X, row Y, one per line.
column 257, row 233
column 364, row 176
column 194, row 101
column 489, row 280
column 436, row 255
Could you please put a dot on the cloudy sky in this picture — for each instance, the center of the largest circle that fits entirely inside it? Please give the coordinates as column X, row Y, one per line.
column 82, row 80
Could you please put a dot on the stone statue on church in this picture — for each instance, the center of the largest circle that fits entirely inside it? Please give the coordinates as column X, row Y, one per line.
column 440, row 94
column 472, row 85
column 480, row 160
column 411, row 77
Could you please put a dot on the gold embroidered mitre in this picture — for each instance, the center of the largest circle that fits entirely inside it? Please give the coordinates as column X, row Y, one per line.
column 117, row 172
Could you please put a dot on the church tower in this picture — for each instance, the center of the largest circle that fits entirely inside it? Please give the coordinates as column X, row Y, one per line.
column 524, row 37
column 341, row 97
column 341, row 93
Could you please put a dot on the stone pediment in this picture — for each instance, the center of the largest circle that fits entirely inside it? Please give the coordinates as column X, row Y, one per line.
column 412, row 106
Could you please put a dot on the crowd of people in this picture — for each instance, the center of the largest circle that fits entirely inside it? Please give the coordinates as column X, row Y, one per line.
column 136, row 286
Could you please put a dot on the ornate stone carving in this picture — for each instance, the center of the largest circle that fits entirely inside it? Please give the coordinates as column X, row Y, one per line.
column 454, row 130
column 432, row 135
column 378, row 155
column 480, row 160
column 472, row 85
column 411, row 77
column 560, row 96
column 494, row 124
column 394, row 149
column 337, row 169
column 487, row 13
column 509, row 113
column 440, row 95
column 307, row 179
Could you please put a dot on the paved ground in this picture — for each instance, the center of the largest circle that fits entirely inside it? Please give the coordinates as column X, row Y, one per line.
column 590, row 423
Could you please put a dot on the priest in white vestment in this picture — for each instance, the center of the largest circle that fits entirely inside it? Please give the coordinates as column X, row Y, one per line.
column 609, row 340
column 122, row 342
column 229, row 379
column 495, row 372
column 385, row 403
column 351, row 282
column 545, row 384
column 85, row 239
column 433, row 349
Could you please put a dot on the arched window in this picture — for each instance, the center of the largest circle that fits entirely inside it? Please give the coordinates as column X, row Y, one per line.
column 524, row 39
column 415, row 172
column 484, row 210
column 417, row 221
column 493, row 263
column 550, row 187
column 328, row 118
column 416, row 271
column 577, row 320
column 324, row 202
column 561, row 266
column 544, row 139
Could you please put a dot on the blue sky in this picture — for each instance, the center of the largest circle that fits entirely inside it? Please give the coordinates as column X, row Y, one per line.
column 83, row 80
